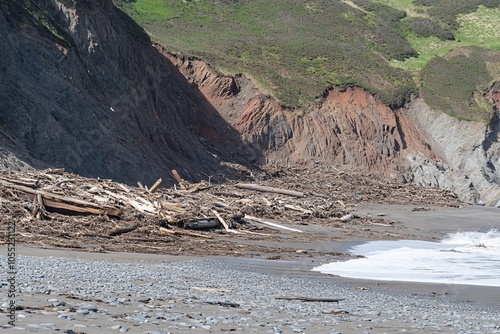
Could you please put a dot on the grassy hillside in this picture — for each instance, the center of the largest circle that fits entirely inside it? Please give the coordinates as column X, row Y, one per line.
column 296, row 49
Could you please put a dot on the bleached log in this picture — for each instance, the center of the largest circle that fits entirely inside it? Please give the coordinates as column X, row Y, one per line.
column 30, row 184
column 256, row 187
column 262, row 221
column 72, row 205
column 145, row 207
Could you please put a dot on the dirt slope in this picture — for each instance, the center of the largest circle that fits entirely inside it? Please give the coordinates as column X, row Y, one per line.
column 82, row 88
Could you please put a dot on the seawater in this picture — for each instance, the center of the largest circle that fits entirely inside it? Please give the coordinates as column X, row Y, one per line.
column 460, row 258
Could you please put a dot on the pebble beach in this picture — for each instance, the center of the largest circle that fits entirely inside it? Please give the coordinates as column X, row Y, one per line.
column 134, row 293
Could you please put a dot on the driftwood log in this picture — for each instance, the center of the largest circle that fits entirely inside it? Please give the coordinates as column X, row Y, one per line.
column 262, row 221
column 34, row 184
column 58, row 203
column 122, row 230
column 223, row 222
column 156, row 185
column 256, row 187
column 191, row 234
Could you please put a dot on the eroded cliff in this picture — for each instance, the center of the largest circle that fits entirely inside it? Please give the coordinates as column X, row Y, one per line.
column 352, row 127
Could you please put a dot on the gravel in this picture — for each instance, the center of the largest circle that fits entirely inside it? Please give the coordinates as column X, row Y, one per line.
column 63, row 294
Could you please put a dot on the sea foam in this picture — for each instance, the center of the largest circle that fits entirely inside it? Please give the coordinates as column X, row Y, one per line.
column 460, row 258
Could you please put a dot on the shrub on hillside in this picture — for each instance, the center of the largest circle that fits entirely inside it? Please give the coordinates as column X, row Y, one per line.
column 447, row 11
column 426, row 27
column 450, row 83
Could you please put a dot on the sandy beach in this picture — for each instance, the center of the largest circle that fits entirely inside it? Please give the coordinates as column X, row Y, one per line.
column 90, row 292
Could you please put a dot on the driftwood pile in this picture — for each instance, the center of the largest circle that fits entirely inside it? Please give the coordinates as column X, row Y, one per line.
column 54, row 208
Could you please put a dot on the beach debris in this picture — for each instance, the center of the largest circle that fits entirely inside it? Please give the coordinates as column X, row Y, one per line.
column 53, row 208
column 276, row 225
column 257, row 187
column 197, row 288
column 298, row 208
column 182, row 183
column 347, row 217
column 58, row 203
column 312, row 299
column 202, row 224
column 122, row 230
column 224, row 304
column 179, row 232
column 223, row 222
column 155, row 185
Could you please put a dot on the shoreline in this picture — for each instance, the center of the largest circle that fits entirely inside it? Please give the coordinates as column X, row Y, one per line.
column 482, row 296
column 133, row 288
column 157, row 294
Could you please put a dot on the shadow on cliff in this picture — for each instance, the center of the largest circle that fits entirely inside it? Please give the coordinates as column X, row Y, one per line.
column 82, row 88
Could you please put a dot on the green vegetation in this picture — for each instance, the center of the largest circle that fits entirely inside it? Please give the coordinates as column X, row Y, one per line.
column 451, row 84
column 296, row 49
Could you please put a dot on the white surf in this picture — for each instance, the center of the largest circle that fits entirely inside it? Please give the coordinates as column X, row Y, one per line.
column 461, row 258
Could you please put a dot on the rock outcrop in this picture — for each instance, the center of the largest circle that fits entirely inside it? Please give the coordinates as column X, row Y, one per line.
column 470, row 152
column 82, row 88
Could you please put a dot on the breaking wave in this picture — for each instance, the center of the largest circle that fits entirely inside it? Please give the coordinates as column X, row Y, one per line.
column 460, row 258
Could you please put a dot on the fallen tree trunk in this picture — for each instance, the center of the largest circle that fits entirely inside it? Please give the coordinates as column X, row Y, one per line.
column 38, row 207
column 57, row 203
column 34, row 184
column 256, row 187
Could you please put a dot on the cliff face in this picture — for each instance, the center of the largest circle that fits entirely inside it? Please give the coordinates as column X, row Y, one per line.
column 352, row 127
column 470, row 152
column 82, row 88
